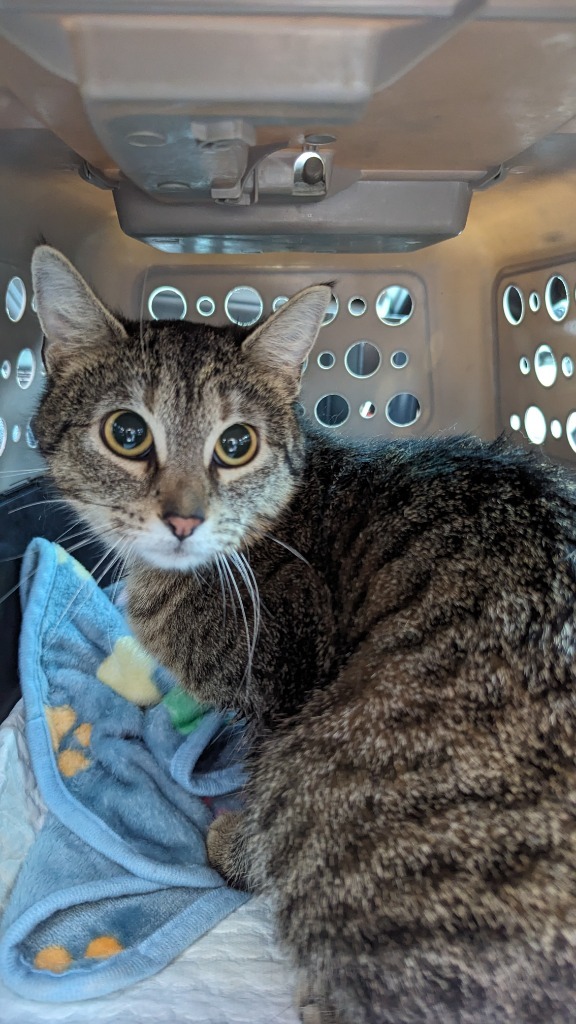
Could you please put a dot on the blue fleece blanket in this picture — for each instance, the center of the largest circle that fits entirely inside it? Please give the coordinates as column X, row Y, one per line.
column 132, row 771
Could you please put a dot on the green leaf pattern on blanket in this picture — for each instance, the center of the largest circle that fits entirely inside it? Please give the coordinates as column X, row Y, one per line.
column 185, row 712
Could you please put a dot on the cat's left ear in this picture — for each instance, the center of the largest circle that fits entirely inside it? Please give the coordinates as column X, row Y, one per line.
column 282, row 343
column 73, row 320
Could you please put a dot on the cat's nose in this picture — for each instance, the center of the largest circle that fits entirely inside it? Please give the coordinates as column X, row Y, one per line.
column 182, row 526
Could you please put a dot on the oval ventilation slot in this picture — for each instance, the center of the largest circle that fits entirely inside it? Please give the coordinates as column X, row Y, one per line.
column 244, row 306
column 332, row 410
column 15, row 302
column 513, row 305
column 394, row 305
column 362, row 359
column 403, row 410
column 557, row 298
column 167, row 303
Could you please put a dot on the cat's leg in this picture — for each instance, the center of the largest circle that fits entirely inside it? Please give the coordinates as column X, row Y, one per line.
column 225, row 851
column 313, row 1004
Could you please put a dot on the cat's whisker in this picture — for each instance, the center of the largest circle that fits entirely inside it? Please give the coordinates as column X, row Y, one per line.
column 223, row 563
column 63, row 539
column 220, row 577
column 245, row 570
column 117, row 575
column 68, row 535
column 288, row 547
column 32, row 504
column 91, row 577
column 248, row 672
column 90, row 539
column 16, row 586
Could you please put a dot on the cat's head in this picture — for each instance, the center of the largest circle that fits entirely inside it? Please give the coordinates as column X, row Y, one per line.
column 174, row 441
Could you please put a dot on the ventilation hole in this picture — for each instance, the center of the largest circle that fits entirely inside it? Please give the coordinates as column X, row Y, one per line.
column 320, row 140
column 243, row 306
column 332, row 410
column 515, row 421
column 25, row 368
column 15, row 299
column 357, row 306
column 304, row 366
column 394, row 305
column 571, row 430
column 402, row 410
column 206, row 305
column 557, row 298
column 399, row 359
column 567, row 366
column 362, row 359
column 172, row 186
column 3, row 435
column 167, row 303
column 556, row 429
column 535, row 425
column 367, row 410
column 331, row 311
column 31, row 440
column 326, row 360
column 280, row 300
column 524, row 365
column 545, row 366
column 16, row 433
column 513, row 305
column 145, row 139
column 534, row 302
column 6, row 369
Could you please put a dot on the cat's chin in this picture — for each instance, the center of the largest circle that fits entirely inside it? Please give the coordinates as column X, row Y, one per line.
column 172, row 555
column 178, row 561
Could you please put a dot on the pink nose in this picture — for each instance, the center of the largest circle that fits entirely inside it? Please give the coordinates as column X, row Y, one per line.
column 182, row 526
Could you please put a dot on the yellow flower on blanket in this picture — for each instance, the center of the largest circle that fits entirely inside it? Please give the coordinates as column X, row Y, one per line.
column 128, row 671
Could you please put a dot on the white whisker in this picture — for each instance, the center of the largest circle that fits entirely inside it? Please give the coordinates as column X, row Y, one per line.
column 81, row 588
column 288, row 548
column 17, row 586
column 45, row 501
column 248, row 672
column 225, row 569
column 220, row 577
column 245, row 570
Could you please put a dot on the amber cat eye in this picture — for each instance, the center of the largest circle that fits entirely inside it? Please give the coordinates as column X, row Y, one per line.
column 236, row 445
column 127, row 434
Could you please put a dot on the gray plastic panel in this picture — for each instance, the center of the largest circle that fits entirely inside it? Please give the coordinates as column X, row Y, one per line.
column 21, row 376
column 412, row 378
column 370, row 216
column 536, row 356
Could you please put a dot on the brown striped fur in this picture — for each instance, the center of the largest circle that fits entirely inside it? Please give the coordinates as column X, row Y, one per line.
column 411, row 808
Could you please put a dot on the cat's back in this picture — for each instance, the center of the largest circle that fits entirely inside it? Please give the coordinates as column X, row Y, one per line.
column 437, row 521
column 432, row 824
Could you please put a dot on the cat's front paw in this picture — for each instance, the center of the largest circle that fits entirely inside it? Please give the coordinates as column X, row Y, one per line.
column 223, row 846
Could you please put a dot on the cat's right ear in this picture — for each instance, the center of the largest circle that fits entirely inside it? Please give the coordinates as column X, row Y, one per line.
column 282, row 343
column 72, row 318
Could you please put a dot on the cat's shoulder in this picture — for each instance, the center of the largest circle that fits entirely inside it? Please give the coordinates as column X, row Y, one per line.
column 460, row 461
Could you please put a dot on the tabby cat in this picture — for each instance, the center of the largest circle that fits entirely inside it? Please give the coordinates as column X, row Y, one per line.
column 395, row 619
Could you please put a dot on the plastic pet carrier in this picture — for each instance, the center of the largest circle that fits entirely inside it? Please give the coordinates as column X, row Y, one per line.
column 205, row 160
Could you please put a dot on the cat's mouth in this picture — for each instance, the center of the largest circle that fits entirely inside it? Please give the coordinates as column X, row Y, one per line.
column 161, row 549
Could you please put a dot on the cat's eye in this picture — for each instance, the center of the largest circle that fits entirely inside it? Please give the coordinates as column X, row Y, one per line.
column 127, row 434
column 236, row 445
